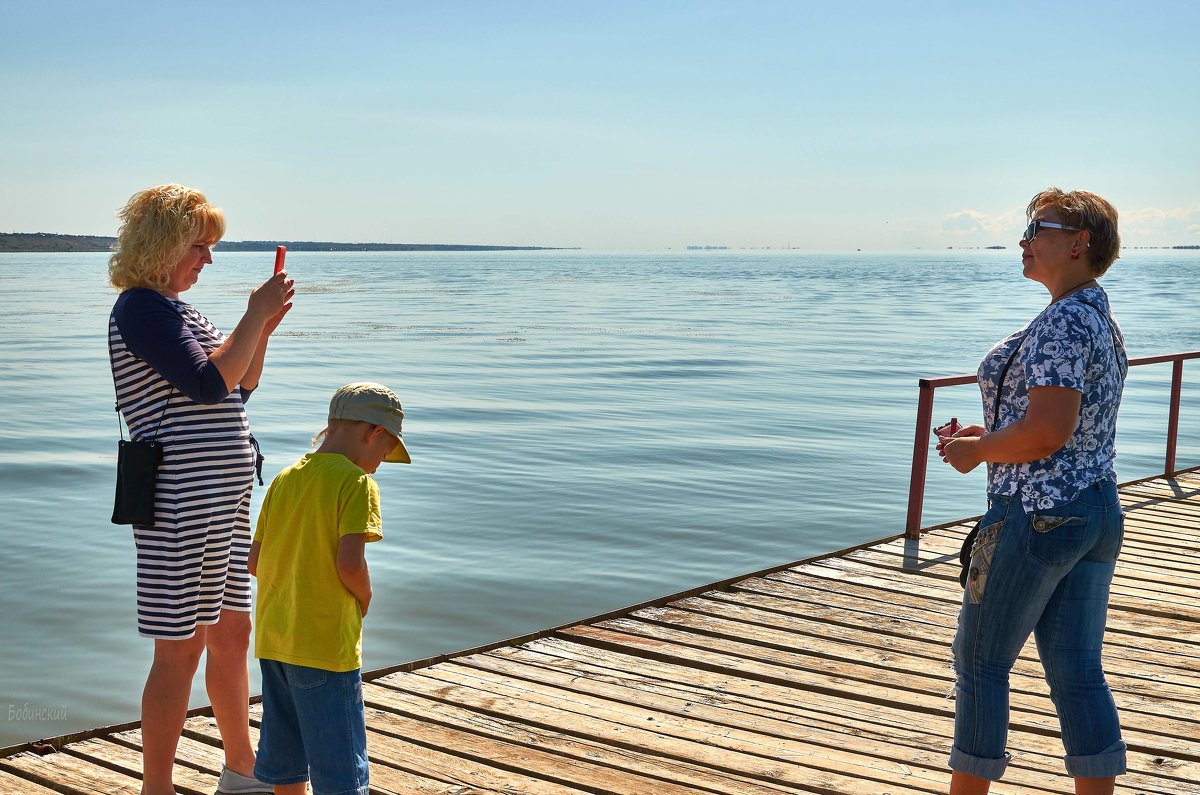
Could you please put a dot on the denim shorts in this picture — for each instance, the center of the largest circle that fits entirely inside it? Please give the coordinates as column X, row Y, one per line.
column 1046, row 574
column 313, row 729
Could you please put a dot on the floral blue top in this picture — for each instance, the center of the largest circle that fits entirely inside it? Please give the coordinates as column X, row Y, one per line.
column 1069, row 344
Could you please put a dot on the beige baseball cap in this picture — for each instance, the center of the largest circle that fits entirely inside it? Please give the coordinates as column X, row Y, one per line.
column 374, row 403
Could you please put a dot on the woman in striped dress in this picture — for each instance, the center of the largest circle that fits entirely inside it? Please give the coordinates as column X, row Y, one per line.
column 181, row 381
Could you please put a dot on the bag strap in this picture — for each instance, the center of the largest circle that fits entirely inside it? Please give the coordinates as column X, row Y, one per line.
column 121, row 426
column 1000, row 381
column 1004, row 372
column 117, row 405
column 1112, row 332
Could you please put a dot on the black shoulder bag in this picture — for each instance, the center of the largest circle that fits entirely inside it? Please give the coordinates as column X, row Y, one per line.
column 137, row 470
column 137, row 475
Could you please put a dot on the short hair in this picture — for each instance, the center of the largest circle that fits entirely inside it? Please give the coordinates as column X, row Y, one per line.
column 157, row 226
column 335, row 423
column 1086, row 211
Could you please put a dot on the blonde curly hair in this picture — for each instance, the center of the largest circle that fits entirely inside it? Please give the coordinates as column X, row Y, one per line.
column 157, row 226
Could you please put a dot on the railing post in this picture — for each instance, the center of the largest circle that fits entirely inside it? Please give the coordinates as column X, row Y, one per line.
column 916, row 482
column 1173, row 417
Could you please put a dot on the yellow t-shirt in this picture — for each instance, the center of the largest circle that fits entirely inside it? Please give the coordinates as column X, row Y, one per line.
column 305, row 615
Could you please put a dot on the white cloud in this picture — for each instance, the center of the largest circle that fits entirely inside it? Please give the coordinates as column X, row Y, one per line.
column 1151, row 226
column 979, row 228
column 964, row 221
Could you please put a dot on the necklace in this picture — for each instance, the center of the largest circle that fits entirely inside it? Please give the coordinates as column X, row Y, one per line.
column 1074, row 289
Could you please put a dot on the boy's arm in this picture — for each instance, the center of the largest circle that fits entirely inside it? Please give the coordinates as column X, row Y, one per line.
column 252, row 561
column 352, row 567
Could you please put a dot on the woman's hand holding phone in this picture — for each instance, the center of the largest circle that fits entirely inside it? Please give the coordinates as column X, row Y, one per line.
column 275, row 294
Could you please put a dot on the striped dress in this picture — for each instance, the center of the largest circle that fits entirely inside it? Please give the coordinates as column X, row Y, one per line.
column 191, row 563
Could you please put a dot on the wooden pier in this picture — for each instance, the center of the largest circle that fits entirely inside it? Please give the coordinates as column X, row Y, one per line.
column 831, row 675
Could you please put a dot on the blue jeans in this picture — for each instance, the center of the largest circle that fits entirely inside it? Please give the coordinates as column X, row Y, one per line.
column 312, row 726
column 1048, row 574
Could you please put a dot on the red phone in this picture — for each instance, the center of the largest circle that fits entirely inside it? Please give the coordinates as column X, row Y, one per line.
column 280, row 253
column 949, row 429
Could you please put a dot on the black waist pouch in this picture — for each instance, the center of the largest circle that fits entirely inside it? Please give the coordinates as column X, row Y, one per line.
column 137, row 472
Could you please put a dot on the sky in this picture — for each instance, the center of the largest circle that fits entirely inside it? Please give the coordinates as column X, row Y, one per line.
column 605, row 125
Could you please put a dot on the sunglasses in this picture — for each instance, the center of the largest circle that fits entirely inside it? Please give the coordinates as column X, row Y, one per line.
column 1037, row 226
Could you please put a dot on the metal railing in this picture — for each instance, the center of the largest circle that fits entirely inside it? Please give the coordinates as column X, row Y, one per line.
column 927, row 386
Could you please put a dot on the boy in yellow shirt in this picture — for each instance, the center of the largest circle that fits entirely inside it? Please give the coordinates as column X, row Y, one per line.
column 313, row 591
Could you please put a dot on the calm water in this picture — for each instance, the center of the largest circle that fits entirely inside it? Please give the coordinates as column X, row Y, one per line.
column 588, row 430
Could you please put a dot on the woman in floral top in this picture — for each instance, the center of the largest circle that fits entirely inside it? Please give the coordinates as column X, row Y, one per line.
column 1044, row 555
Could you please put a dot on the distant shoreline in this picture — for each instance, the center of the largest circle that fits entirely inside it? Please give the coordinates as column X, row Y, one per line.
column 51, row 243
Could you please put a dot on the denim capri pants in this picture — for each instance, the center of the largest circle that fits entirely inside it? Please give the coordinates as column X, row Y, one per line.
column 313, row 729
column 1047, row 574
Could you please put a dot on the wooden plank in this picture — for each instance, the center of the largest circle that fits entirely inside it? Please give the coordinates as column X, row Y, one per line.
column 390, row 774
column 463, row 773
column 861, row 580
column 858, row 573
column 657, row 733
column 1161, row 533
column 11, row 784
column 1028, row 712
column 1175, row 522
column 1132, row 672
column 1177, row 589
column 190, row 751
column 1167, row 507
column 934, row 551
column 1123, row 593
column 691, row 690
column 824, row 601
column 1133, row 629
column 1163, row 524
column 537, row 770
column 1161, row 489
column 784, row 698
column 1146, row 536
column 1153, row 495
column 68, row 773
column 1150, row 535
column 659, row 774
column 861, row 663
column 1131, row 572
column 105, row 753
column 896, row 719
column 1151, row 658
column 829, row 732
column 385, row 778
column 870, row 594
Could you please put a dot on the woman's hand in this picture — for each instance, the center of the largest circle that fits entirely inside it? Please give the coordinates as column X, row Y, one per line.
column 269, row 301
column 254, row 371
column 971, row 430
column 240, row 357
column 1048, row 423
column 961, row 451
